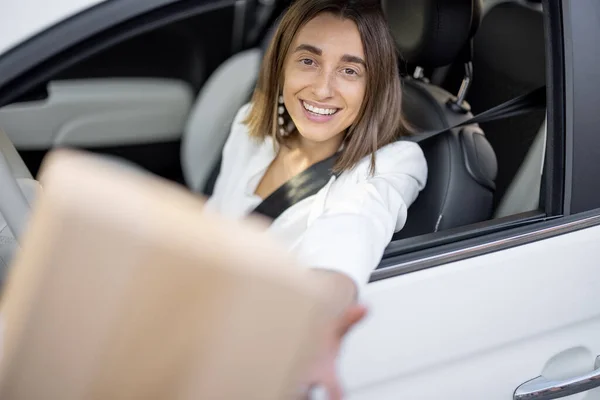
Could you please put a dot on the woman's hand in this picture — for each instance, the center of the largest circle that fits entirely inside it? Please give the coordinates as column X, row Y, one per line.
column 345, row 313
column 323, row 374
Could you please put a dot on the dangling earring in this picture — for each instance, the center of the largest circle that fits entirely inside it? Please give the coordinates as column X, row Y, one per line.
column 283, row 129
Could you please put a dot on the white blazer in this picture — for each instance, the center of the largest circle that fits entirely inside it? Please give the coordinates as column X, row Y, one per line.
column 347, row 225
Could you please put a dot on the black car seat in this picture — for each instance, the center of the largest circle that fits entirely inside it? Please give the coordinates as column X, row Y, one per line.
column 462, row 164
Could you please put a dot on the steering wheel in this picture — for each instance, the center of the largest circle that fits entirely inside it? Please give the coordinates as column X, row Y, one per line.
column 14, row 179
column 18, row 187
column 13, row 204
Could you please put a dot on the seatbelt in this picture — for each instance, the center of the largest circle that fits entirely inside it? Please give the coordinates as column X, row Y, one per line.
column 523, row 104
column 313, row 179
column 300, row 187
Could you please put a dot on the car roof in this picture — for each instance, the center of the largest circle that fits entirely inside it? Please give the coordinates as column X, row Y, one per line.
column 23, row 19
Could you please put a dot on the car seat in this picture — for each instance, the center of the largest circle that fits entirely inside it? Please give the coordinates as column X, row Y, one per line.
column 228, row 88
column 462, row 164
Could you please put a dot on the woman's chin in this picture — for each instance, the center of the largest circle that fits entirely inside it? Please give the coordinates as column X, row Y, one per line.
column 317, row 136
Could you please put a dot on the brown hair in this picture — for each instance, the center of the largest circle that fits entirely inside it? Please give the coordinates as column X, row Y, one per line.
column 379, row 121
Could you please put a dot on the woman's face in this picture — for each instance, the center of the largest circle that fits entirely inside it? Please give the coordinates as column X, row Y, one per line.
column 325, row 78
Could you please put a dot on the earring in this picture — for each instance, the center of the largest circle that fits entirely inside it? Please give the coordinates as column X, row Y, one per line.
column 283, row 129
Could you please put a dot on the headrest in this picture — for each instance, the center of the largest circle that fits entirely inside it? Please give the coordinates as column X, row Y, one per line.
column 432, row 33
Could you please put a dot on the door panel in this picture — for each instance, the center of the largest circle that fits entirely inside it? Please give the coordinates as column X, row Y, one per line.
column 166, row 46
column 161, row 158
column 479, row 328
column 100, row 112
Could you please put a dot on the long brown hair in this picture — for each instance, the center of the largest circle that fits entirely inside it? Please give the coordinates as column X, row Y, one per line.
column 380, row 120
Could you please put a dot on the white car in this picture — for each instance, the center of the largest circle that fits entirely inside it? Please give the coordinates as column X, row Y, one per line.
column 492, row 291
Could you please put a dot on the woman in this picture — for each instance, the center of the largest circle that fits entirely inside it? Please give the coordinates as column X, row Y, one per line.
column 329, row 84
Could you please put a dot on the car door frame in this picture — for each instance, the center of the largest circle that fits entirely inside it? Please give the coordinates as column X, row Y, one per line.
column 555, row 217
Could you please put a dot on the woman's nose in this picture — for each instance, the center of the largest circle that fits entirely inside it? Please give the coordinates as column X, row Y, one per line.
column 323, row 85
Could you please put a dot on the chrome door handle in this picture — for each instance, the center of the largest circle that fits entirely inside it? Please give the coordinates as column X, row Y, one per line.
column 541, row 388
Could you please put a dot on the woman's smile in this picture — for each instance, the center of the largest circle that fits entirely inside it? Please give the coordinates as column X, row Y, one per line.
column 318, row 113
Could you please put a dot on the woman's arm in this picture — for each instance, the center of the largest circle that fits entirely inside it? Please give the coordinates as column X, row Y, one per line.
column 345, row 313
column 348, row 237
column 341, row 290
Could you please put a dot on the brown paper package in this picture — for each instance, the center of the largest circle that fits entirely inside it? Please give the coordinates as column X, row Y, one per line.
column 126, row 288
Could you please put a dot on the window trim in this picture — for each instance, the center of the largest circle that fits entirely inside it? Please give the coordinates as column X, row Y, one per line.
column 471, row 231
column 555, row 192
column 487, row 244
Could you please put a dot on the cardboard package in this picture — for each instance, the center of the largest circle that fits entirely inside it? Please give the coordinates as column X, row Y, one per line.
column 126, row 288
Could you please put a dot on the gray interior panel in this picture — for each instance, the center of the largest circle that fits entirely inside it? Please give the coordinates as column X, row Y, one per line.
column 15, row 162
column 227, row 90
column 523, row 194
column 100, row 112
column 8, row 243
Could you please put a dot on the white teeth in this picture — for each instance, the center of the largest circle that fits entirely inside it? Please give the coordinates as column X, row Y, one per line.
column 316, row 110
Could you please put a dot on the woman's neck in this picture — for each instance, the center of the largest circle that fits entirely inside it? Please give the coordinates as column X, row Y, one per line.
column 309, row 152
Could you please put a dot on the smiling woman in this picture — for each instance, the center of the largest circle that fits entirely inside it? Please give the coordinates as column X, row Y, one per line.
column 328, row 90
column 318, row 61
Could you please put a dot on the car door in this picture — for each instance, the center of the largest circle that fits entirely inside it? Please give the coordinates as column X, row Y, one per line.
column 482, row 318
column 482, row 326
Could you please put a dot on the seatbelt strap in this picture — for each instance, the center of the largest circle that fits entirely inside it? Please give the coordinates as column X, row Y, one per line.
column 313, row 179
column 523, row 104
column 300, row 187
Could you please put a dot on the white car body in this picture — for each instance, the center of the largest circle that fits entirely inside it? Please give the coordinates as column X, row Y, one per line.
column 474, row 322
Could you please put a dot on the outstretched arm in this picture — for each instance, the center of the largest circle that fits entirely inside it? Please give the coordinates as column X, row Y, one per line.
column 345, row 313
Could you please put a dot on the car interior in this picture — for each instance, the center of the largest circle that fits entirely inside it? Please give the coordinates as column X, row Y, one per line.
column 163, row 102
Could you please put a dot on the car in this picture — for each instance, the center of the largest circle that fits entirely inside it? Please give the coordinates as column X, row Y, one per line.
column 492, row 290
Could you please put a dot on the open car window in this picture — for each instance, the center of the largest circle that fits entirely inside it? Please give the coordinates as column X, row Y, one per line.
column 168, row 63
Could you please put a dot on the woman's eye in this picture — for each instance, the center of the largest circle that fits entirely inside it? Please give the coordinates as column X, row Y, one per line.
column 350, row 71
column 307, row 61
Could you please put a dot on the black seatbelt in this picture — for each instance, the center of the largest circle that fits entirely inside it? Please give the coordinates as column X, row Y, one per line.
column 313, row 179
column 300, row 187
column 523, row 104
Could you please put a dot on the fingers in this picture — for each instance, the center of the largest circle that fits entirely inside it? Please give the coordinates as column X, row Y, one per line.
column 353, row 315
column 324, row 374
column 331, row 382
column 327, row 391
column 334, row 391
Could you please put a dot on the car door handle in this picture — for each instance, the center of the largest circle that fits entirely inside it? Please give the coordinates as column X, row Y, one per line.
column 541, row 388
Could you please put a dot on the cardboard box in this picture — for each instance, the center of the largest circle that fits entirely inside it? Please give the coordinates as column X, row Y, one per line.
column 126, row 288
